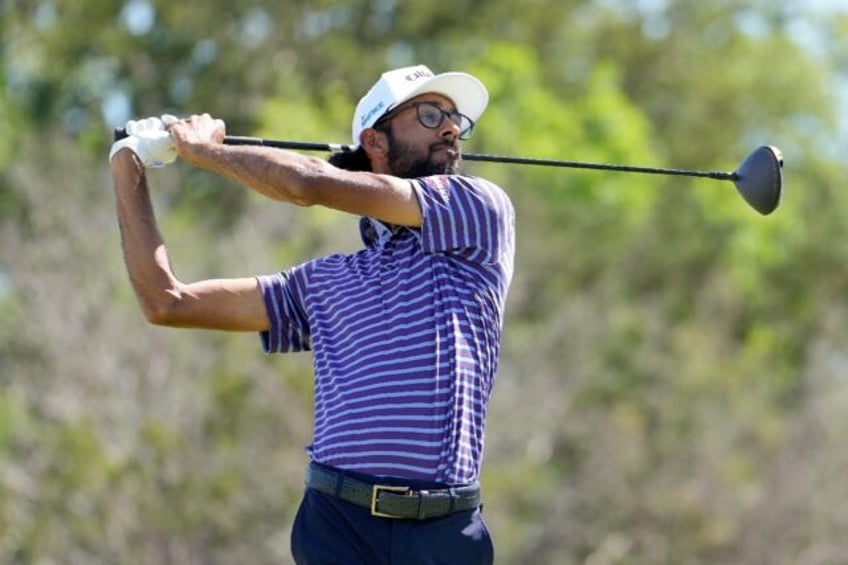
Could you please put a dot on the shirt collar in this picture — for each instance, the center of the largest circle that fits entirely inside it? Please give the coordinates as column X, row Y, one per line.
column 374, row 232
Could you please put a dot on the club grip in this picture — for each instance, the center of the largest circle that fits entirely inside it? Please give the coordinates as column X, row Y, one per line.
column 119, row 133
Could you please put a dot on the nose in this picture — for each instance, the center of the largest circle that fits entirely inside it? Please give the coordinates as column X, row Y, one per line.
column 449, row 129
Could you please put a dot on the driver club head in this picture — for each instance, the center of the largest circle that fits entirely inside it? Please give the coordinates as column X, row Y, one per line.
column 759, row 179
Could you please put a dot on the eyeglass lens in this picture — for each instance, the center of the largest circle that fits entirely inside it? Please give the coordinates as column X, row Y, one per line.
column 431, row 116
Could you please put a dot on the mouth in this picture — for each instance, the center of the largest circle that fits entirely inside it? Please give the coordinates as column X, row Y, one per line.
column 452, row 151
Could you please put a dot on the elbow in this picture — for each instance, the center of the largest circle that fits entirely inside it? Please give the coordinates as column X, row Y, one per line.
column 161, row 308
column 301, row 197
column 159, row 314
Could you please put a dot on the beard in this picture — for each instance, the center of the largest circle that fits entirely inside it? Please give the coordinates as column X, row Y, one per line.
column 406, row 163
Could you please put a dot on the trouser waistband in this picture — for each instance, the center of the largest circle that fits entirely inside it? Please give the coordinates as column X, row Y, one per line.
column 392, row 501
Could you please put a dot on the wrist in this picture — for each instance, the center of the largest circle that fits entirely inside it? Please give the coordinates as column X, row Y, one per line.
column 125, row 159
column 202, row 155
column 129, row 143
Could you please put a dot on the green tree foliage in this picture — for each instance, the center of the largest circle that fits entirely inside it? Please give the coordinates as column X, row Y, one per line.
column 672, row 381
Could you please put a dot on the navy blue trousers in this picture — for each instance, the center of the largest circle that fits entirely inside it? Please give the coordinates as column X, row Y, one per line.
column 329, row 531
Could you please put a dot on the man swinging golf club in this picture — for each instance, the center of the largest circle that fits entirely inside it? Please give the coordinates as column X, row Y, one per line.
column 405, row 333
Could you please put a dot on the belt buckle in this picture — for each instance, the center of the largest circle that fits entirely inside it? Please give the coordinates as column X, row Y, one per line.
column 375, row 494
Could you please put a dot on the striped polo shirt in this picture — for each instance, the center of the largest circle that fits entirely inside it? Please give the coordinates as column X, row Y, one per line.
column 405, row 334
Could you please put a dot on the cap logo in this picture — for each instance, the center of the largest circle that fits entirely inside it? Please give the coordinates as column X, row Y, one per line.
column 412, row 77
column 368, row 115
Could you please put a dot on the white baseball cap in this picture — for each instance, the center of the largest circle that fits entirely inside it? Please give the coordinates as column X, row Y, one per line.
column 399, row 85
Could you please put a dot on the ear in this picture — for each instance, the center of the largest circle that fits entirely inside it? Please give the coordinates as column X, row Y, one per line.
column 374, row 140
column 376, row 146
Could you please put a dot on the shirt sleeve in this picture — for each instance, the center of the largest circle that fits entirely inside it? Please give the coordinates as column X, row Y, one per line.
column 468, row 216
column 284, row 301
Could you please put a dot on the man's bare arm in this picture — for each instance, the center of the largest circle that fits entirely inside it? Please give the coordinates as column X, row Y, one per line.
column 298, row 179
column 226, row 304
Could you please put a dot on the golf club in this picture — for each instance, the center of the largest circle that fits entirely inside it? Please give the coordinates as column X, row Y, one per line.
column 759, row 178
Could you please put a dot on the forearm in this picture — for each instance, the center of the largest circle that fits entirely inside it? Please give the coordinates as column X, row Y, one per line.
column 144, row 251
column 307, row 181
column 295, row 178
column 279, row 175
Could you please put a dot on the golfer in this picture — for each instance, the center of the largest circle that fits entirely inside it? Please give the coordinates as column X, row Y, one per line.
column 405, row 333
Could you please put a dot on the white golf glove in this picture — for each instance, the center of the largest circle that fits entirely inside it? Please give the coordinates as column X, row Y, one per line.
column 149, row 140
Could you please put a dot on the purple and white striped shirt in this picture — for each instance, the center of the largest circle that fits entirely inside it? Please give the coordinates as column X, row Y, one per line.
column 405, row 334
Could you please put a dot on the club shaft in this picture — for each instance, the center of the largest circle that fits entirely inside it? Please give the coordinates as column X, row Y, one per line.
column 336, row 148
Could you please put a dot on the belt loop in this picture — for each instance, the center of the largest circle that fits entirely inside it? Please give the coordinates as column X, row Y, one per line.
column 422, row 495
column 452, row 491
column 340, row 478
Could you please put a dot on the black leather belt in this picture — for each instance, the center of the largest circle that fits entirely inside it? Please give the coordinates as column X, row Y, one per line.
column 390, row 501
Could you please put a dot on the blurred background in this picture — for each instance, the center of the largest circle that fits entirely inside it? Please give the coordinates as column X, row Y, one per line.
column 674, row 378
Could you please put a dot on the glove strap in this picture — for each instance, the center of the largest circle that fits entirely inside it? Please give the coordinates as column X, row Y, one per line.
column 130, row 142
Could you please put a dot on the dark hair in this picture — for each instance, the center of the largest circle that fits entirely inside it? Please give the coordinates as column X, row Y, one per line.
column 351, row 160
column 358, row 160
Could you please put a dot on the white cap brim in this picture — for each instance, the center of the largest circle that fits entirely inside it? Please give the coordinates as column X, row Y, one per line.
column 466, row 92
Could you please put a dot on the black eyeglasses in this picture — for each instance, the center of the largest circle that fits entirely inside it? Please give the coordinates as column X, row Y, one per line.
column 431, row 116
